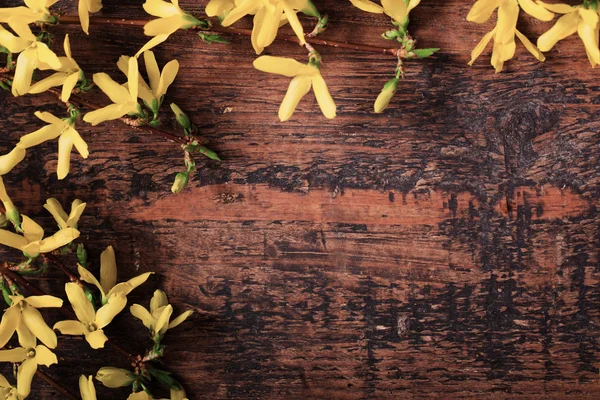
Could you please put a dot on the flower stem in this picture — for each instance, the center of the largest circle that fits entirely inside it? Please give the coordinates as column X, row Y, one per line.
column 56, row 385
column 59, row 264
column 71, row 19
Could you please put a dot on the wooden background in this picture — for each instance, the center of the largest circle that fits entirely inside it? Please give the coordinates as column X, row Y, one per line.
column 448, row 248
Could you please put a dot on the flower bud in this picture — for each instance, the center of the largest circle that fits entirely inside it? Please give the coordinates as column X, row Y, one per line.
column 384, row 98
column 181, row 181
column 182, row 118
column 115, row 377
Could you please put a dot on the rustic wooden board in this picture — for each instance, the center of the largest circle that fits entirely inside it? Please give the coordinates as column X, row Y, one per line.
column 445, row 249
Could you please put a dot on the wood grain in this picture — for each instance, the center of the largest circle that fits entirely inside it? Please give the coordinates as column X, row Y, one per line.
column 445, row 249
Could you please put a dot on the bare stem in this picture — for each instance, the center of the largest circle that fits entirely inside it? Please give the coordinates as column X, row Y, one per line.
column 56, row 385
column 59, row 264
column 71, row 19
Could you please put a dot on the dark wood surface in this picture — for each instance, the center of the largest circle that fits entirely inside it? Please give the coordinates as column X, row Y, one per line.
column 448, row 248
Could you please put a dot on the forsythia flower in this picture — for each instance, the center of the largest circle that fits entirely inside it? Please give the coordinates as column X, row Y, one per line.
column 60, row 216
column 219, row 8
column 305, row 76
column 175, row 395
column 23, row 312
column 578, row 19
column 157, row 319
column 384, row 98
column 87, row 388
column 7, row 391
column 10, row 160
column 68, row 75
column 90, row 321
column 115, row 377
column 86, row 7
column 35, row 11
column 33, row 55
column 32, row 242
column 108, row 277
column 396, row 9
column 11, row 212
column 267, row 18
column 171, row 18
column 30, row 355
column 125, row 100
column 159, row 81
column 64, row 129
column 505, row 30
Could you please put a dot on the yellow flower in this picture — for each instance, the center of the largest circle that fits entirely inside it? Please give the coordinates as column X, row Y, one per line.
column 64, row 129
column 35, row 11
column 505, row 30
column 115, row 377
column 33, row 55
column 108, row 277
column 175, row 395
column 384, row 98
column 11, row 212
column 396, row 9
column 7, row 391
column 68, row 75
column 23, row 311
column 305, row 76
column 267, row 19
column 90, row 321
column 87, row 388
column 85, row 8
column 30, row 355
column 157, row 319
column 125, row 100
column 159, row 81
column 171, row 18
column 10, row 160
column 60, row 216
column 219, row 8
column 32, row 242
column 578, row 19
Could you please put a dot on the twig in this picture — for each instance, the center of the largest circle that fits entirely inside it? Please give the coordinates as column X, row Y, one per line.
column 56, row 385
column 71, row 19
column 59, row 264
column 39, row 292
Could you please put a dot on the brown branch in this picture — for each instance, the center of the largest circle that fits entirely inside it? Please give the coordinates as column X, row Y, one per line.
column 39, row 292
column 59, row 264
column 71, row 19
column 56, row 385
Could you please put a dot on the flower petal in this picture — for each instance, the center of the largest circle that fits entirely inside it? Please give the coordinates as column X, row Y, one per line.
column 162, row 323
column 44, row 301
column 34, row 321
column 114, row 377
column 77, row 208
column 155, row 41
column 80, row 303
column 108, row 269
column 68, row 86
column 43, row 356
column 86, row 388
column 482, row 10
column 10, row 160
column 56, row 79
column 84, row 16
column 367, row 6
column 182, row 317
column 159, row 299
column 96, row 339
column 88, row 277
column 294, row 22
column 108, row 113
column 13, row 43
column 9, row 323
column 31, row 229
column 167, row 77
column 48, row 132
column 70, row 327
column 324, row 99
column 13, row 240
column 481, row 45
column 298, row 88
column 144, row 315
column 244, row 8
column 65, row 145
column 565, row 26
column 587, row 30
column 163, row 26
column 282, row 66
column 159, row 8
column 395, row 9
column 25, row 376
column 152, row 70
column 116, row 303
column 59, row 239
column 536, row 10
column 27, row 340
column 13, row 355
column 117, row 93
column 47, row 56
column 530, row 46
column 23, row 72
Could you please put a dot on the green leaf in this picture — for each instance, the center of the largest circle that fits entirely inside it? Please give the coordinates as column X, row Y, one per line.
column 203, row 150
column 210, row 38
column 82, row 255
column 424, row 53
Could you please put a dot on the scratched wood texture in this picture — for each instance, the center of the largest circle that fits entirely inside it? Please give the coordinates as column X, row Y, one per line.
column 448, row 248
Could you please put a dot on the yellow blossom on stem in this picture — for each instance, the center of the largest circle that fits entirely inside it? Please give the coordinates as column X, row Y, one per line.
column 384, row 98
column 90, row 322
column 10, row 160
column 64, row 129
column 125, row 100
column 33, row 11
column 157, row 318
column 396, row 9
column 68, row 75
column 85, row 8
column 87, row 390
column 305, row 76
column 33, row 54
column 24, row 311
column 171, row 18
column 505, row 31
column 576, row 19
column 115, row 377
column 30, row 355
column 160, row 81
column 32, row 242
column 219, row 8
column 7, row 391
column 108, row 277
column 175, row 395
column 11, row 212
column 60, row 216
column 268, row 15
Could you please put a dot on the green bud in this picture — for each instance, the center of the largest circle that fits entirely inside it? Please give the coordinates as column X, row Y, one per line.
column 3, row 221
column 310, row 10
column 384, row 98
column 12, row 214
column 82, row 255
column 191, row 22
column 391, row 34
column 181, row 182
column 210, row 38
column 181, row 117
